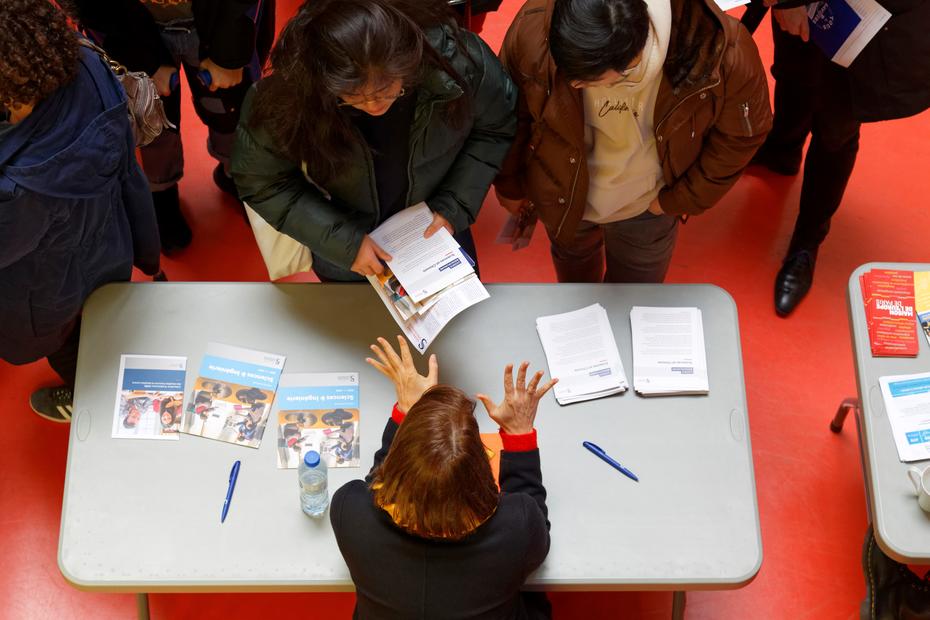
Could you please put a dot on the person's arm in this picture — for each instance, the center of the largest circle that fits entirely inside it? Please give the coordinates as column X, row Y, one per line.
column 409, row 385
column 520, row 470
column 276, row 189
column 462, row 191
column 24, row 222
column 740, row 130
column 509, row 183
column 129, row 32
column 387, row 438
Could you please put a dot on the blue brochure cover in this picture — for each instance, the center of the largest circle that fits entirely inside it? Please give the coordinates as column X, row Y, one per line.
column 232, row 395
column 831, row 23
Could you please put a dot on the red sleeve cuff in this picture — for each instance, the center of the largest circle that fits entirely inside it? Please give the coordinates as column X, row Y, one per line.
column 518, row 443
column 397, row 415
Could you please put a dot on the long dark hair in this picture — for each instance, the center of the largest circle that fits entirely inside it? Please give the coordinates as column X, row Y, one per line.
column 436, row 482
column 332, row 47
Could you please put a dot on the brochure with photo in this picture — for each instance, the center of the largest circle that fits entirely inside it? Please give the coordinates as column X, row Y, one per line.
column 150, row 391
column 318, row 411
column 232, row 395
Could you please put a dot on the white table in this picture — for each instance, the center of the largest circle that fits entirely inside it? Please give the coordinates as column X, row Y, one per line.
column 901, row 528
column 143, row 516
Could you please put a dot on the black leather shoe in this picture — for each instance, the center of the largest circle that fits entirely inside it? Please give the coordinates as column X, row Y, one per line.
column 793, row 281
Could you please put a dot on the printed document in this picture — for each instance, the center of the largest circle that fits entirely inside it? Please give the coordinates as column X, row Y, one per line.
column 423, row 266
column 428, row 281
column 232, row 395
column 582, row 353
column 668, row 351
column 318, row 411
column 907, row 401
column 149, row 394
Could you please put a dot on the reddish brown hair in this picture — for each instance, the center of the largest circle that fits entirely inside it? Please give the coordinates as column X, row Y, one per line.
column 436, row 482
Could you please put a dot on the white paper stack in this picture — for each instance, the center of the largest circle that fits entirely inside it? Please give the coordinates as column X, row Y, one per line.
column 581, row 351
column 668, row 351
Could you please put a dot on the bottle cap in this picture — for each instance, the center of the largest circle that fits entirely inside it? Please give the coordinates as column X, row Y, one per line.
column 312, row 458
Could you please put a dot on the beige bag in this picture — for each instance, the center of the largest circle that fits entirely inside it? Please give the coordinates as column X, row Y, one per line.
column 283, row 255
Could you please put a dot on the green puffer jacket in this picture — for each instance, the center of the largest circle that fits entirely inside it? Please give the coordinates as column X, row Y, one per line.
column 450, row 168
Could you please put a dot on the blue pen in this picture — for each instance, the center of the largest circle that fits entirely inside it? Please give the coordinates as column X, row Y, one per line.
column 232, row 485
column 603, row 456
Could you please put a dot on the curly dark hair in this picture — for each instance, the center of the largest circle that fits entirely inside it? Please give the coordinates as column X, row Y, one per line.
column 38, row 51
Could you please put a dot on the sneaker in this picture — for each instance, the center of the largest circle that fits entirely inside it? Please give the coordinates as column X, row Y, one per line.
column 53, row 403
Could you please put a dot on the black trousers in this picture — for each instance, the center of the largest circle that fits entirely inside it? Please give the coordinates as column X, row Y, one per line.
column 64, row 360
column 812, row 97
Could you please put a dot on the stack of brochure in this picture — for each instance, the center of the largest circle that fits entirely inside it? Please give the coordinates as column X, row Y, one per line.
column 668, row 351
column 428, row 281
column 582, row 353
column 318, row 411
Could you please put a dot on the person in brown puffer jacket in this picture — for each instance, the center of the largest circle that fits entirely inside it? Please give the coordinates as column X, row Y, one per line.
column 632, row 116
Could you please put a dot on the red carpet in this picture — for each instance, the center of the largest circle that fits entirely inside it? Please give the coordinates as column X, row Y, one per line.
column 797, row 370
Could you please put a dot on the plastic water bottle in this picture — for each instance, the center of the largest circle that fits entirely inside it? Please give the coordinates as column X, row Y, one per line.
column 314, row 492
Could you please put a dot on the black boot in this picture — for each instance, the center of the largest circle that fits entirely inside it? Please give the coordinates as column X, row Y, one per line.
column 175, row 233
column 794, row 280
column 226, row 184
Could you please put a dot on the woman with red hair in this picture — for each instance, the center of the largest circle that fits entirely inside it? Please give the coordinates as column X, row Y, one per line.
column 429, row 516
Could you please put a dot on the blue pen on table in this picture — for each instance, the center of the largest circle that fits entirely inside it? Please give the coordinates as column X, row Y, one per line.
column 603, row 456
column 233, row 474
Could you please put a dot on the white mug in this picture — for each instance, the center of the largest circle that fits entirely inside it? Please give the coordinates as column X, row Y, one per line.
column 921, row 481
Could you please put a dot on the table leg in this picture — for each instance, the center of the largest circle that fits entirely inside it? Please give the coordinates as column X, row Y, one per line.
column 142, row 605
column 678, row 605
column 836, row 425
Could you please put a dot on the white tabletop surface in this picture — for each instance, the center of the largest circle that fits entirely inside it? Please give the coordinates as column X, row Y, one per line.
column 144, row 515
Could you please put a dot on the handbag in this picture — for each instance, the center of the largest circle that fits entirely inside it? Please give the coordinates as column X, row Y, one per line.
column 283, row 255
column 146, row 110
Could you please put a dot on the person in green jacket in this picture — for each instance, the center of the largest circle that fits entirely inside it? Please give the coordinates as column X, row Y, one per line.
column 372, row 106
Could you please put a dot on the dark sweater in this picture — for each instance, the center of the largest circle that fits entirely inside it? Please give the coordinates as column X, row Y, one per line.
column 398, row 575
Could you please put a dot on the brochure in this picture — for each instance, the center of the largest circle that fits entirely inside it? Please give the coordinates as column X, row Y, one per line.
column 842, row 28
column 232, row 395
column 318, row 411
column 668, row 351
column 424, row 266
column 150, row 391
column 888, row 296
column 907, row 401
column 922, row 300
column 581, row 351
column 428, row 281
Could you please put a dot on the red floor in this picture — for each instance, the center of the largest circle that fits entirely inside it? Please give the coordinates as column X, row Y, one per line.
column 797, row 370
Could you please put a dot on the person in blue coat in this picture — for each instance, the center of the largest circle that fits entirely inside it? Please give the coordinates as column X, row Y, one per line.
column 75, row 208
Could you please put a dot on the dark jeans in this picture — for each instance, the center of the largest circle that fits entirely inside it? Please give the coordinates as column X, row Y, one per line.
column 330, row 273
column 64, row 360
column 812, row 96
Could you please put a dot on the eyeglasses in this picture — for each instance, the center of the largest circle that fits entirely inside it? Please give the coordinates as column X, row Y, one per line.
column 363, row 100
